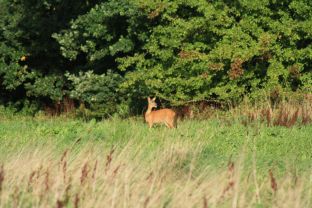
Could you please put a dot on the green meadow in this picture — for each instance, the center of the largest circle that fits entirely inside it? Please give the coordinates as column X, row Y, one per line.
column 64, row 162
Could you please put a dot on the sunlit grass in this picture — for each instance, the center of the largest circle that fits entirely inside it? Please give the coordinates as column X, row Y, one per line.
column 60, row 162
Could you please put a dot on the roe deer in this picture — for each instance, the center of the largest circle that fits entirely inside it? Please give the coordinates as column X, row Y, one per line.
column 166, row 116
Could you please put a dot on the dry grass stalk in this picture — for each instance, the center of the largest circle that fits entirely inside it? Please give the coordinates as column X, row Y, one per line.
column 115, row 171
column 156, row 183
column 269, row 117
column 273, row 181
column 293, row 118
column 63, row 202
column 30, row 180
column 251, row 117
column 287, row 114
column 285, row 118
column 306, row 118
column 16, row 197
column 254, row 171
column 150, row 177
column 146, row 201
column 205, row 202
column 47, row 180
column 231, row 182
column 279, row 120
column 1, row 177
column 109, row 159
column 63, row 164
column 59, row 204
column 64, row 170
column 38, row 172
column 64, row 156
column 84, row 173
column 76, row 200
column 94, row 169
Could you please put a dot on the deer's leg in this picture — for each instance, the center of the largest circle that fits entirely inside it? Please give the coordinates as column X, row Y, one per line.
column 168, row 125
column 174, row 124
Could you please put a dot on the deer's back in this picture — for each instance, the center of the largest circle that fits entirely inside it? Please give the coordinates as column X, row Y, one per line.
column 161, row 115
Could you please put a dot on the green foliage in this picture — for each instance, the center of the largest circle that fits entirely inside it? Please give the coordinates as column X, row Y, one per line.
column 101, row 32
column 29, row 56
column 47, row 86
column 199, row 50
column 99, row 92
column 177, row 50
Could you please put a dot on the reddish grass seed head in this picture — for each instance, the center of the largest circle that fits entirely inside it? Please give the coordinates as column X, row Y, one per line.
column 1, row 176
column 273, row 181
column 84, row 173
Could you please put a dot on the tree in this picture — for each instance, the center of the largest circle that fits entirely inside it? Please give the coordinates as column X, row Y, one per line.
column 177, row 50
column 30, row 61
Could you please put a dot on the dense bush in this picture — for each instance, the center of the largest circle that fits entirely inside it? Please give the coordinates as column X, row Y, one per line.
column 177, row 50
column 98, row 92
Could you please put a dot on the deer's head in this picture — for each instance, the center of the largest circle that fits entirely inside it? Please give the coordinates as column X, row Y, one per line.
column 151, row 103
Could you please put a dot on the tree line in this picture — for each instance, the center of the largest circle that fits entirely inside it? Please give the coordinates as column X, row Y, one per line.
column 108, row 56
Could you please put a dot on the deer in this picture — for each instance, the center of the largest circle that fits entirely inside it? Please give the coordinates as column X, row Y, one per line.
column 166, row 115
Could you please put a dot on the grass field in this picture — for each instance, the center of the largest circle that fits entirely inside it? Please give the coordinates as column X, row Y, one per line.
column 60, row 162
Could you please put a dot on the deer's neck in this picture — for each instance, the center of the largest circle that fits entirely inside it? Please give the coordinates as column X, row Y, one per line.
column 149, row 110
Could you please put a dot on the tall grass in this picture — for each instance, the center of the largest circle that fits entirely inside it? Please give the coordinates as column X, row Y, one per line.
column 127, row 177
column 60, row 162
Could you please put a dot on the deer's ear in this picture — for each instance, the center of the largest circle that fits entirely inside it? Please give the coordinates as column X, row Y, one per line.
column 148, row 99
column 154, row 98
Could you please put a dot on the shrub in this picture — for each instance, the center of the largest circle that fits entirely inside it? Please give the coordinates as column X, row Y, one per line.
column 98, row 93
